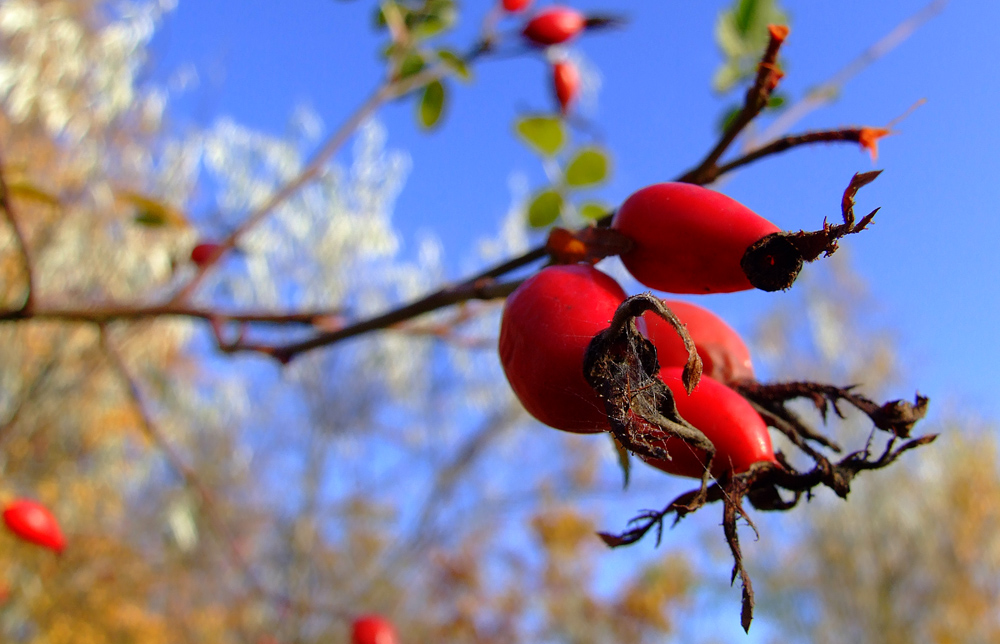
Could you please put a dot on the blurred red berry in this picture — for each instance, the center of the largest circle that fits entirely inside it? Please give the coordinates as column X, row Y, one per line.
column 201, row 253
column 373, row 629
column 566, row 81
column 33, row 522
column 554, row 25
column 514, row 6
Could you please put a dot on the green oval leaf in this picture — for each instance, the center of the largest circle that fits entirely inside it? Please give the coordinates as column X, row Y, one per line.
column 454, row 62
column 594, row 210
column 545, row 208
column 431, row 105
column 589, row 167
column 544, row 134
column 413, row 64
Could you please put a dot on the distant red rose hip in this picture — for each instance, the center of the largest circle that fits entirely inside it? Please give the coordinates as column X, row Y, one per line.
column 373, row 629
column 546, row 327
column 555, row 25
column 724, row 355
column 566, row 82
column 513, row 6
column 738, row 432
column 33, row 522
column 689, row 239
column 202, row 253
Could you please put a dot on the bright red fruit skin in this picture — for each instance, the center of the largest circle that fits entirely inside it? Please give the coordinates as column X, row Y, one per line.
column 566, row 81
column 33, row 522
column 738, row 432
column 554, row 25
column 373, row 629
column 724, row 355
column 546, row 327
column 688, row 239
column 201, row 253
column 513, row 6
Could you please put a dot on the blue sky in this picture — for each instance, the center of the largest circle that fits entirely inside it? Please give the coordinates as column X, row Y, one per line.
column 930, row 258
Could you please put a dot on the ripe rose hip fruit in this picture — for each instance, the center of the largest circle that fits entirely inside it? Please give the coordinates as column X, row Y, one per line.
column 33, row 522
column 724, row 355
column 690, row 239
column 554, row 25
column 566, row 81
column 546, row 327
column 513, row 6
column 373, row 629
column 201, row 253
column 738, row 432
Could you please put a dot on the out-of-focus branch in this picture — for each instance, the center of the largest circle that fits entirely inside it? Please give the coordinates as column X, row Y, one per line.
column 826, row 92
column 19, row 238
column 387, row 91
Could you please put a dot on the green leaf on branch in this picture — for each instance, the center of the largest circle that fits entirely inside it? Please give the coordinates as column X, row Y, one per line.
column 454, row 62
column 545, row 208
column 432, row 104
column 588, row 168
column 776, row 101
column 594, row 210
column 624, row 460
column 544, row 134
column 412, row 65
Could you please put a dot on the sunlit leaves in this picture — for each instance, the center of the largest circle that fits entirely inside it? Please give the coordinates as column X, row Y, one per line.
column 741, row 33
column 432, row 104
column 544, row 134
column 545, row 208
column 455, row 63
column 588, row 167
column 593, row 210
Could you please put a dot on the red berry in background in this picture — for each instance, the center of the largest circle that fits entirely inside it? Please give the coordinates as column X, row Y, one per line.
column 689, row 239
column 201, row 253
column 546, row 327
column 738, row 432
column 513, row 6
column 373, row 629
column 33, row 522
column 566, row 82
column 554, row 25
column 724, row 355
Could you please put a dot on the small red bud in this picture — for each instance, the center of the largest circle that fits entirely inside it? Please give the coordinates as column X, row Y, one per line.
column 555, row 25
column 202, row 253
column 514, row 6
column 566, row 81
column 33, row 522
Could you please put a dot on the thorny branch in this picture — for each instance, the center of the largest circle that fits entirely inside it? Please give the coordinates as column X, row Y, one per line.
column 763, row 483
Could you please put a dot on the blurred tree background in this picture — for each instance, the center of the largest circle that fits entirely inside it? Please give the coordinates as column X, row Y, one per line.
column 226, row 498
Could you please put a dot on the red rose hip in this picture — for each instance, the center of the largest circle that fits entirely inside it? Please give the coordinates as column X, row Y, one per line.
column 690, row 239
column 738, row 432
column 514, row 6
column 373, row 629
column 554, row 25
column 546, row 327
column 33, row 522
column 566, row 83
column 724, row 355
column 202, row 253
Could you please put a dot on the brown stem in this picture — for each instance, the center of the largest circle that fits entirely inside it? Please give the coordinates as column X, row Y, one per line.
column 19, row 239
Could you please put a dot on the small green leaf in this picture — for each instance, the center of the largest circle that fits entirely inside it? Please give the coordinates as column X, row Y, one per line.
column 589, row 167
column 776, row 101
column 624, row 462
column 413, row 64
column 432, row 104
column 744, row 15
column 594, row 210
column 454, row 62
column 544, row 134
column 545, row 208
column 150, row 218
column 728, row 117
